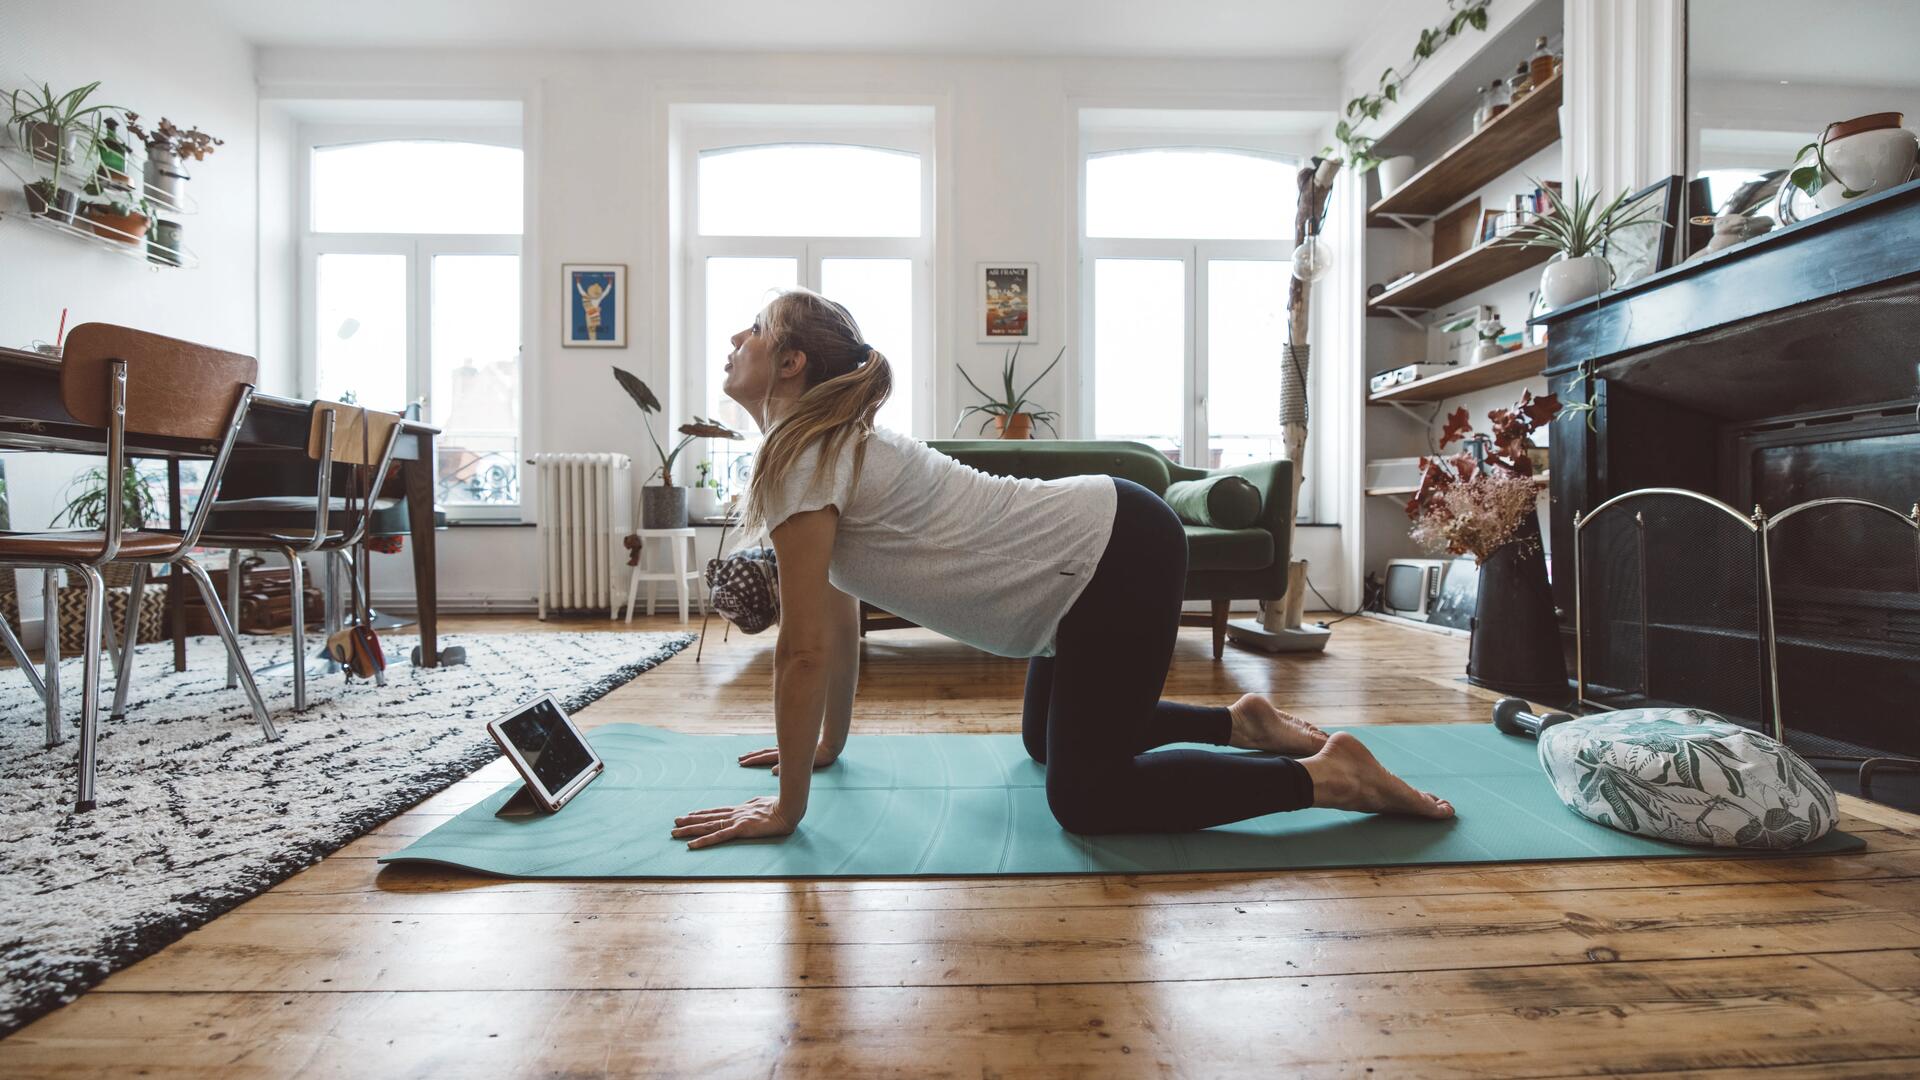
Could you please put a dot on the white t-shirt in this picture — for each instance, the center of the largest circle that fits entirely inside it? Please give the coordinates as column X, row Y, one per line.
column 992, row 561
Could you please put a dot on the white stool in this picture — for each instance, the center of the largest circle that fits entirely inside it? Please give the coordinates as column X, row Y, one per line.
column 681, row 575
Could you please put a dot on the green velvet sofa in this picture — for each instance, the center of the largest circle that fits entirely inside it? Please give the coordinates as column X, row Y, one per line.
column 1223, row 565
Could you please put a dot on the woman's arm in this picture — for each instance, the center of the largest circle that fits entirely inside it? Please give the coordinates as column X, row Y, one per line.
column 803, row 659
column 843, row 675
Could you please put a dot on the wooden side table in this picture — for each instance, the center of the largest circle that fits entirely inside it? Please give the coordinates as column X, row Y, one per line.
column 682, row 575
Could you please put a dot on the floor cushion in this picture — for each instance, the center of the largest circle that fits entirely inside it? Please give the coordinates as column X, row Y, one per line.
column 1687, row 775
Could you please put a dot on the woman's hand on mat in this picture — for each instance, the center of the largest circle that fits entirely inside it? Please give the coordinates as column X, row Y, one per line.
column 823, row 756
column 755, row 817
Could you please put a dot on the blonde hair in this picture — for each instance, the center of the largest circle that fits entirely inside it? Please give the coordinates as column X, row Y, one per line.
column 846, row 383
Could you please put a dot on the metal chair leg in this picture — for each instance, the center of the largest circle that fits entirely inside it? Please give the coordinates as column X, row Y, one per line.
column 232, row 642
column 50, row 623
column 299, row 629
column 330, row 608
column 19, row 654
column 129, row 641
column 234, row 659
column 90, row 684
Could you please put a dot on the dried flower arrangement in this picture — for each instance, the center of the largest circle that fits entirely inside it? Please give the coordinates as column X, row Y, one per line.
column 1474, row 504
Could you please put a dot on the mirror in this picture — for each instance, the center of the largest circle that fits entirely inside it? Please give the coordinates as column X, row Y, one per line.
column 1765, row 78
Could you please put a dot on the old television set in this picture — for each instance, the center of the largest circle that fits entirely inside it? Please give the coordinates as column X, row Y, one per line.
column 1412, row 587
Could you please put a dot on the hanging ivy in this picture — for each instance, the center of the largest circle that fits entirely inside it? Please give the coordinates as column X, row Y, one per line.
column 1359, row 148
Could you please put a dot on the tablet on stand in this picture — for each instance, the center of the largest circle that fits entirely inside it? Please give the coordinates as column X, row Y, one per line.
column 554, row 759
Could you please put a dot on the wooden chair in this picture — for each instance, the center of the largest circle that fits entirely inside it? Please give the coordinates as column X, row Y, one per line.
column 123, row 380
column 297, row 525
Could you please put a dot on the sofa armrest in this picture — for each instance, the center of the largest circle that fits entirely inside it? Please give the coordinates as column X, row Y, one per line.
column 1274, row 480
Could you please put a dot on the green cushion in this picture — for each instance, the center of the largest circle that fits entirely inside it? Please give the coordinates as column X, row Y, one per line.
column 1228, row 549
column 1687, row 775
column 1223, row 501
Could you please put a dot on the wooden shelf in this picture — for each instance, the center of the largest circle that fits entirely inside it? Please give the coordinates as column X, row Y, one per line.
column 1540, row 479
column 1522, row 363
column 1505, row 142
column 1468, row 272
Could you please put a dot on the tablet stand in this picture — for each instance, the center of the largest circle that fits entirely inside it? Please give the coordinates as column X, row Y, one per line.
column 521, row 804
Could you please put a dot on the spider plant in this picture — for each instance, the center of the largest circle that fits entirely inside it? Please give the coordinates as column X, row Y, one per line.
column 1578, row 225
column 1012, row 403
column 87, row 500
column 46, row 122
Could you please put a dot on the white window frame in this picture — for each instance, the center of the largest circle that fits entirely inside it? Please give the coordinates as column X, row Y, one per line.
column 809, row 251
column 419, row 249
column 1195, row 254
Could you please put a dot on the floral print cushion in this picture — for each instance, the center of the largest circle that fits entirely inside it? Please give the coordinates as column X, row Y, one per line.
column 1687, row 775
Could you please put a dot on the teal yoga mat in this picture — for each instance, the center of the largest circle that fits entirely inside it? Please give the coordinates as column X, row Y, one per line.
column 903, row 805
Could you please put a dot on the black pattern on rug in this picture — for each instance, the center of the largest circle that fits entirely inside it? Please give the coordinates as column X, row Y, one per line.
column 197, row 812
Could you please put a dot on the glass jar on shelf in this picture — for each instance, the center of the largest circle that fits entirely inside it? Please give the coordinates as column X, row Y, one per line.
column 1519, row 84
column 1493, row 102
column 1542, row 64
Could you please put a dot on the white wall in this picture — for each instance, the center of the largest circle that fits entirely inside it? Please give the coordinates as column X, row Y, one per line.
column 180, row 64
column 1006, row 144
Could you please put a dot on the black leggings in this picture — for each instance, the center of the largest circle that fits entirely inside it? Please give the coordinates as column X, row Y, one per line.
column 1093, row 709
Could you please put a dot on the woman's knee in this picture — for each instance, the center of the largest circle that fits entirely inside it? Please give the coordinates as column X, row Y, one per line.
column 1080, row 807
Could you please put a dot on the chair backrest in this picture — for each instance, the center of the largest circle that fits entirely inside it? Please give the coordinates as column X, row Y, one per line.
column 174, row 388
column 359, row 435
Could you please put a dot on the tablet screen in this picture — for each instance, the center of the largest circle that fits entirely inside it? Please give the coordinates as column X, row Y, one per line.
column 548, row 745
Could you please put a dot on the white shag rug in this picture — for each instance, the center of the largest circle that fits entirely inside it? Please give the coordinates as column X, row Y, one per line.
column 198, row 812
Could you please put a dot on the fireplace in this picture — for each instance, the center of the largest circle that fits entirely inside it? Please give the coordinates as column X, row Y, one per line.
column 1764, row 378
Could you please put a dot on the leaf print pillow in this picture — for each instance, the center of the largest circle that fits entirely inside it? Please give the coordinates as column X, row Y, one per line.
column 1687, row 775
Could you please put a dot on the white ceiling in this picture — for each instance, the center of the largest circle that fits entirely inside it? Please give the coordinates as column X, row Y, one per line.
column 1138, row 28
column 1831, row 42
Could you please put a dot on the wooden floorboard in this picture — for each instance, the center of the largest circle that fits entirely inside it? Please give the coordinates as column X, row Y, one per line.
column 1697, row 967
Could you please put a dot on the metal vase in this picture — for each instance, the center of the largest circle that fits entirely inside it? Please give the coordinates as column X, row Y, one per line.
column 663, row 507
column 1516, row 638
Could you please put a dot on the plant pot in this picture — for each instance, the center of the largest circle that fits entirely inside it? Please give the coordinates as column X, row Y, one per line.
column 663, row 507
column 44, row 142
column 166, row 178
column 60, row 208
column 163, row 243
column 122, row 228
column 1865, row 155
column 1569, row 281
column 1516, row 638
column 1018, row 426
column 703, row 502
column 1394, row 174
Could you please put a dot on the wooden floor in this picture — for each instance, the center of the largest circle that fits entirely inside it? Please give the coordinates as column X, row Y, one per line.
column 1706, row 967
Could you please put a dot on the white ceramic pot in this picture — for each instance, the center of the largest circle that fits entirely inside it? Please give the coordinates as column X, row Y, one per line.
column 1395, row 172
column 1569, row 281
column 1865, row 163
column 703, row 502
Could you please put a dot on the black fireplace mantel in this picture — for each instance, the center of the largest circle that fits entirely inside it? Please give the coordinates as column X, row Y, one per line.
column 1813, row 325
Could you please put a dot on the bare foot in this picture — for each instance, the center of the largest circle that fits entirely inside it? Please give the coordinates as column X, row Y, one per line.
column 1258, row 725
column 1346, row 776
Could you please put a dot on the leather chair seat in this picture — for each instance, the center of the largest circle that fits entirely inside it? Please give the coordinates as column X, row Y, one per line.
column 82, row 545
column 1228, row 549
column 287, row 515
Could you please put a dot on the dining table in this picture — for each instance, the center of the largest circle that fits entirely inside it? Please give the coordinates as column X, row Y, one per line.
column 32, row 418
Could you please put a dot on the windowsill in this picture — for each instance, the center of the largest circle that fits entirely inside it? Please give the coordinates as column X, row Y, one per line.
column 489, row 523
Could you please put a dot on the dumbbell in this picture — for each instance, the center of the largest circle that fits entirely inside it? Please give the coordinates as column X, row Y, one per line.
column 1510, row 715
column 453, row 654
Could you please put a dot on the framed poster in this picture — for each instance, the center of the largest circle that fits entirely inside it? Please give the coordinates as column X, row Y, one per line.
column 1647, row 246
column 596, row 299
column 1004, row 302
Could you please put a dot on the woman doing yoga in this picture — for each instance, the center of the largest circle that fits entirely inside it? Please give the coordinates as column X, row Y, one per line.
column 1081, row 575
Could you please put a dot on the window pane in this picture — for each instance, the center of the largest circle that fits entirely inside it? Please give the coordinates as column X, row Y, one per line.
column 879, row 293
column 737, row 289
column 1140, row 348
column 360, row 306
column 1246, row 326
column 809, row 190
column 417, row 187
column 475, row 393
column 1190, row 194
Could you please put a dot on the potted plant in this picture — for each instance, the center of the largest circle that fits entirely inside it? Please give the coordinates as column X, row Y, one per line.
column 664, row 505
column 1576, row 229
column 117, row 220
column 163, row 242
column 110, row 149
column 1481, row 502
column 167, row 147
column 50, row 127
column 705, row 499
column 1011, row 414
column 1856, row 157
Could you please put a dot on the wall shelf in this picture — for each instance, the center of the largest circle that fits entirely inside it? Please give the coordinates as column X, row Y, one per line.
column 1540, row 480
column 1505, row 142
column 1470, row 271
column 1521, row 363
column 27, row 169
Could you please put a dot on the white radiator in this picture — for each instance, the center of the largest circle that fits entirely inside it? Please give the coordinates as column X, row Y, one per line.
column 586, row 510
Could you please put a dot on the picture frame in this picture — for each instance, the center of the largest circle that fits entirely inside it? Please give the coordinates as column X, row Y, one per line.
column 1640, row 250
column 1003, row 302
column 595, row 299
